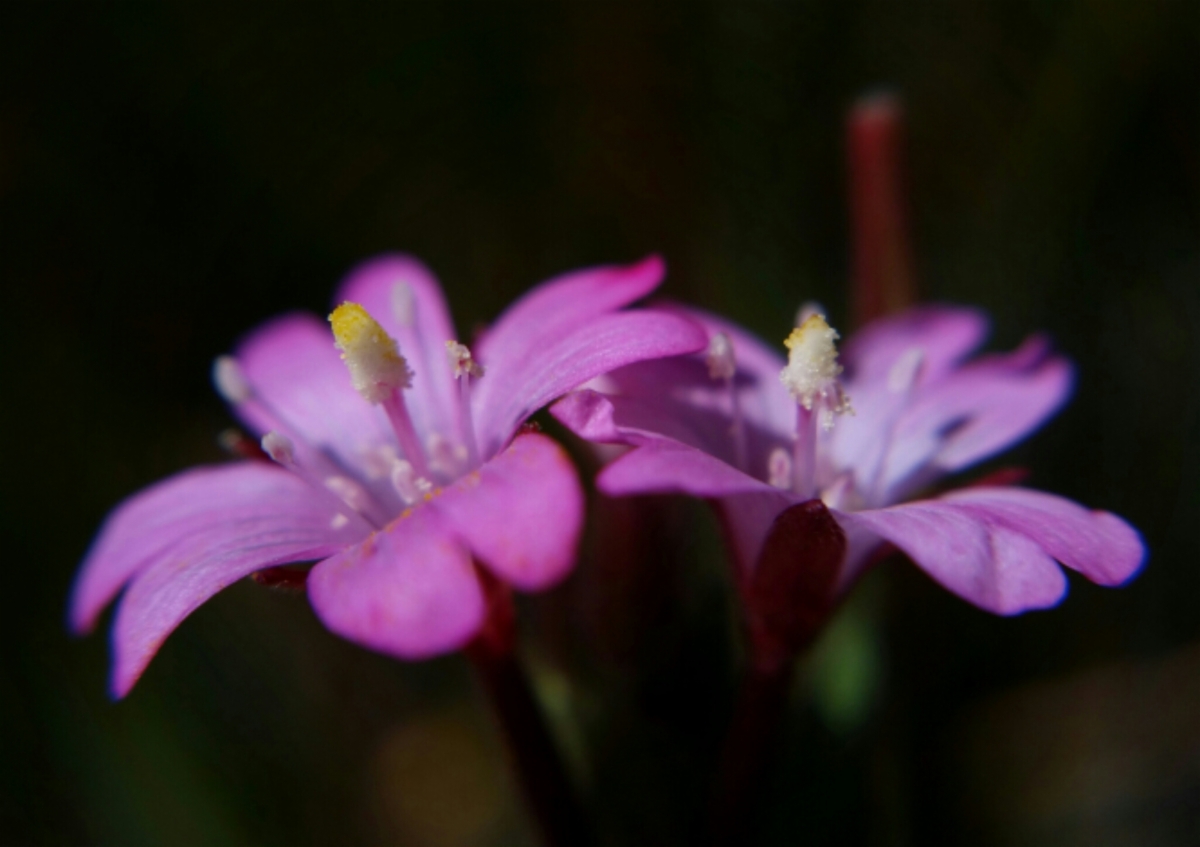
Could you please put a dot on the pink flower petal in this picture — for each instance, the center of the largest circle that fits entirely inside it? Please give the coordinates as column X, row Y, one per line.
column 409, row 590
column 506, row 397
column 422, row 332
column 561, row 306
column 521, row 513
column 668, row 466
column 195, row 556
column 983, row 561
column 204, row 506
column 943, row 334
column 1098, row 544
column 978, row 410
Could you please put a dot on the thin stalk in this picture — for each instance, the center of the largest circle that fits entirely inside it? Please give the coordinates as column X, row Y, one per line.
column 545, row 782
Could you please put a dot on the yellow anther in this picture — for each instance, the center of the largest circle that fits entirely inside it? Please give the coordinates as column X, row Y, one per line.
column 371, row 355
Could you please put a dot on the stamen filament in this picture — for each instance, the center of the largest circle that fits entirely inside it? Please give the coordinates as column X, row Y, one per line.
column 406, row 433
column 465, row 367
column 804, row 453
column 344, row 490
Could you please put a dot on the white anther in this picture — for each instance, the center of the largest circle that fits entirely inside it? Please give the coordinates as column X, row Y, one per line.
column 231, row 383
column 349, row 491
column 379, row 460
column 905, row 370
column 408, row 484
column 279, row 447
column 404, row 304
column 371, row 355
column 719, row 357
column 462, row 361
column 446, row 457
column 807, row 310
column 339, row 521
column 779, row 468
column 812, row 367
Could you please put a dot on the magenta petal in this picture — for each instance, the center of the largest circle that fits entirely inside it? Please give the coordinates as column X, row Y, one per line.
column 422, row 333
column 521, row 513
column 943, row 334
column 409, row 590
column 562, row 305
column 983, row 561
column 208, row 553
column 1099, row 545
column 977, row 411
column 299, row 377
column 205, row 506
column 507, row 397
column 666, row 466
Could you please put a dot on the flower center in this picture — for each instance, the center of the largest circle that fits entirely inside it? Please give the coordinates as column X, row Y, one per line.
column 811, row 377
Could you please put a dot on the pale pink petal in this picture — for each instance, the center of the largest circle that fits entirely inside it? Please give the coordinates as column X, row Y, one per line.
column 561, row 306
column 1098, row 544
column 942, row 334
column 211, row 506
column 506, row 397
column 983, row 561
column 409, row 590
column 301, row 382
column 521, row 513
column 973, row 413
column 205, row 555
column 404, row 296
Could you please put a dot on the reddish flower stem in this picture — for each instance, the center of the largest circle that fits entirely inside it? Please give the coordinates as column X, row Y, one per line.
column 788, row 596
column 545, row 782
column 883, row 278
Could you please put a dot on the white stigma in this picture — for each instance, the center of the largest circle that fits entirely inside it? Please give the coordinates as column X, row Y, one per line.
column 462, row 361
column 719, row 357
column 280, row 448
column 373, row 358
column 812, row 370
column 231, row 383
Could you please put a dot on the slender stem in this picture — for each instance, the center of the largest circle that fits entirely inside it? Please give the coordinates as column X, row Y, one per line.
column 747, row 754
column 541, row 771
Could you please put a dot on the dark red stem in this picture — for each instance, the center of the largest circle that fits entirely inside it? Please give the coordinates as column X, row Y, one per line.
column 541, row 771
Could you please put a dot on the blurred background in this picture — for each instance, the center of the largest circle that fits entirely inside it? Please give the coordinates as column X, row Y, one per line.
column 171, row 174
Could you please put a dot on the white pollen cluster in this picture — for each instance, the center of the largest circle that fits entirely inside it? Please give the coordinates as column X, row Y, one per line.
column 462, row 361
column 811, row 374
column 719, row 357
column 371, row 355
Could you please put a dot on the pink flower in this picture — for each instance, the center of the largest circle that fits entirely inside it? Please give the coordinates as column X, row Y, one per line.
column 397, row 465
column 759, row 435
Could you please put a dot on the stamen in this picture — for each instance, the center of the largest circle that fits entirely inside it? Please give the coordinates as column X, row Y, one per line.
column 445, row 457
column 350, row 493
column 280, row 448
column 465, row 367
column 719, row 357
column 231, row 383
column 722, row 365
column 411, row 487
column 812, row 360
column 811, row 377
column 283, row 452
column 779, row 469
column 378, row 371
column 376, row 367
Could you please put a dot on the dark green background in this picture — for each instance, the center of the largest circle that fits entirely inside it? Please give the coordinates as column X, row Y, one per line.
column 171, row 174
